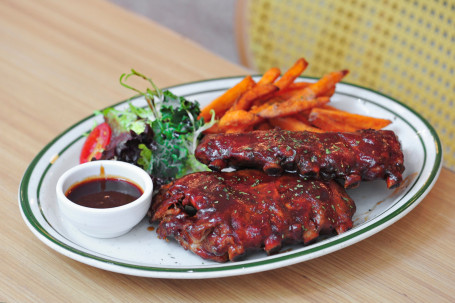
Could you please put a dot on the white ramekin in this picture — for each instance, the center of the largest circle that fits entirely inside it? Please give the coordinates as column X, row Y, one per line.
column 105, row 222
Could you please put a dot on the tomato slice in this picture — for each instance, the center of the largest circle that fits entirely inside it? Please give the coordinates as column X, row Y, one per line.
column 95, row 143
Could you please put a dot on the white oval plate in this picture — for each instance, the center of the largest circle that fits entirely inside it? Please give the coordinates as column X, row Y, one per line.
column 141, row 253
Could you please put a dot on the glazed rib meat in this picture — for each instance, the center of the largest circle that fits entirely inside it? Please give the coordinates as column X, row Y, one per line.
column 222, row 216
column 349, row 157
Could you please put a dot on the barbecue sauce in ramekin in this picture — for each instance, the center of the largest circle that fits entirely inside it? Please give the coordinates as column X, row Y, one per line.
column 103, row 192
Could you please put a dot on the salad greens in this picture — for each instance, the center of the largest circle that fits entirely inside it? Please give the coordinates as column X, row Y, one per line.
column 160, row 138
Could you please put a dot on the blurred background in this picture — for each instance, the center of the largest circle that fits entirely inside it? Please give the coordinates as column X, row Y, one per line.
column 209, row 23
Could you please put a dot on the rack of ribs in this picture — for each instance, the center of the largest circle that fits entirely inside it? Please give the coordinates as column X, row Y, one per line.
column 222, row 216
column 348, row 157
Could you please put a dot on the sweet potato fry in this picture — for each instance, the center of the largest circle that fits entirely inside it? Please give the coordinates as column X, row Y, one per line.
column 282, row 94
column 315, row 90
column 258, row 92
column 276, row 101
column 325, row 84
column 305, row 114
column 327, row 124
column 355, row 120
column 226, row 100
column 294, row 86
column 293, row 124
column 329, row 107
column 302, row 116
column 269, row 76
column 292, row 73
column 255, row 109
column 330, row 92
column 291, row 91
column 290, row 107
column 238, row 119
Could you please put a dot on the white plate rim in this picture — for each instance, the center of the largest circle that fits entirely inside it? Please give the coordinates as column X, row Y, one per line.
column 232, row 269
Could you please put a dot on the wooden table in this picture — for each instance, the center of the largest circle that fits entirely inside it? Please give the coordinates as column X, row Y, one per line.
column 60, row 61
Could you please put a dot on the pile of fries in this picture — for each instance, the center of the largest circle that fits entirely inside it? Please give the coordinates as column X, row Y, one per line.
column 283, row 102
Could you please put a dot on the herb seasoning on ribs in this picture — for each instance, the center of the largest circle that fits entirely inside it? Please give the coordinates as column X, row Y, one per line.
column 222, row 216
column 350, row 157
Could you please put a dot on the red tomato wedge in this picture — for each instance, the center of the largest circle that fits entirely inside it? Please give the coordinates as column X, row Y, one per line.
column 95, row 143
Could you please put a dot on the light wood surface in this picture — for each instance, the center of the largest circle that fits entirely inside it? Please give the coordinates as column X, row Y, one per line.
column 60, row 61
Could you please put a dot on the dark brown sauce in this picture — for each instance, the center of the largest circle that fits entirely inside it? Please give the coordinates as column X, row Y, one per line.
column 103, row 192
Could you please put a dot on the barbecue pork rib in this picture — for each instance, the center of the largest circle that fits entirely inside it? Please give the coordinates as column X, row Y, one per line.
column 349, row 157
column 221, row 216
